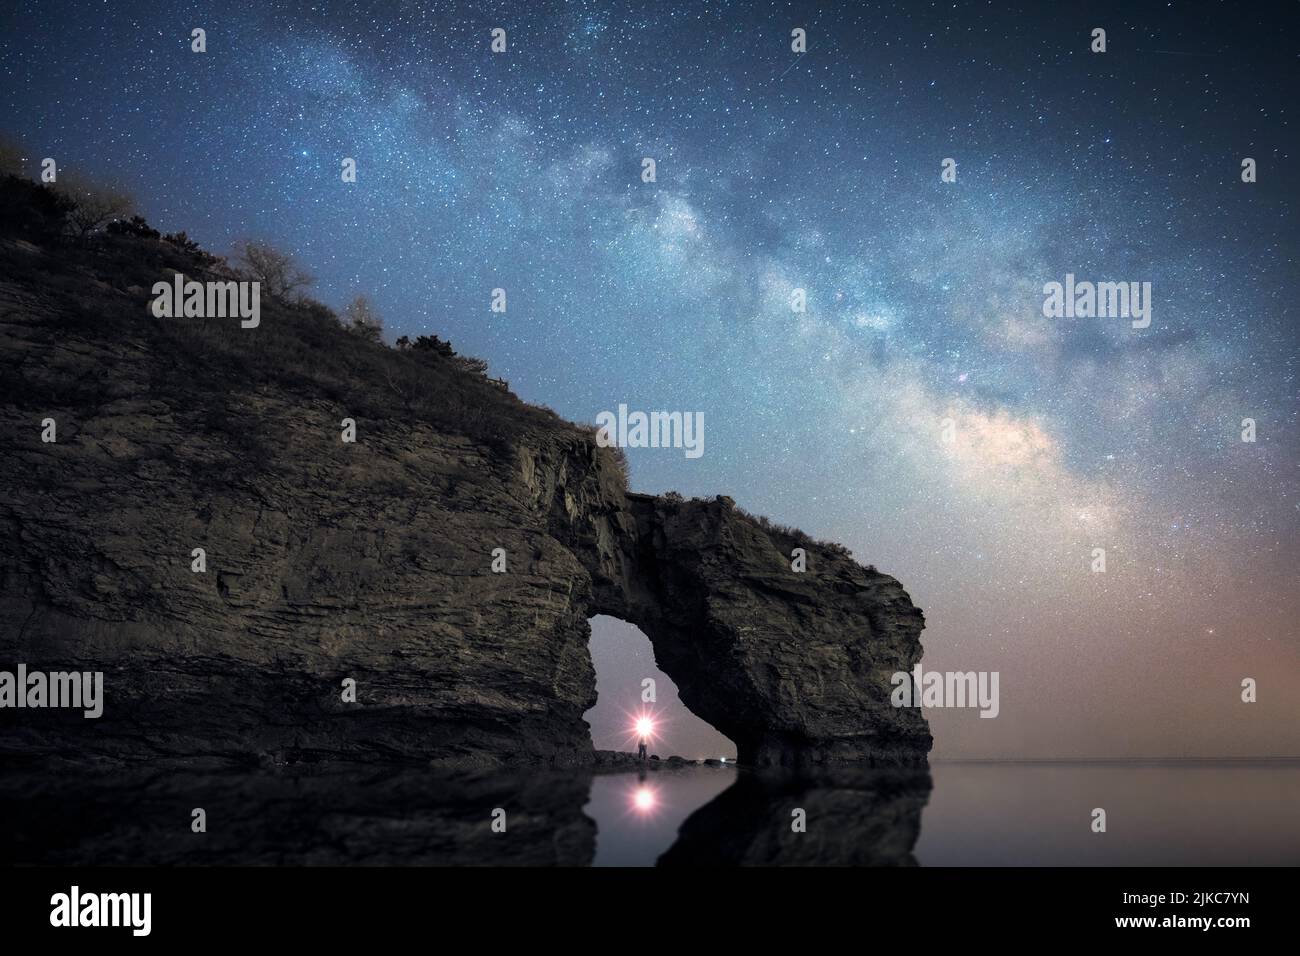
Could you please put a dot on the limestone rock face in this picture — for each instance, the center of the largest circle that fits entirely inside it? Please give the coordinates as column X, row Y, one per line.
column 372, row 561
column 794, row 667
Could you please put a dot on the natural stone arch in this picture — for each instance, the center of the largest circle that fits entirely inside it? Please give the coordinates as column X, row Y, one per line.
column 794, row 667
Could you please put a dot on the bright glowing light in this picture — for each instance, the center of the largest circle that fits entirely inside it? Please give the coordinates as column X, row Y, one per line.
column 644, row 799
column 643, row 727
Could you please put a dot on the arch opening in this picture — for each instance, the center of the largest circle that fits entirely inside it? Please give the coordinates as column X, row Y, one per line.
column 635, row 698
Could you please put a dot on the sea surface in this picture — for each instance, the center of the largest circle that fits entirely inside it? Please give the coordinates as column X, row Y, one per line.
column 953, row 814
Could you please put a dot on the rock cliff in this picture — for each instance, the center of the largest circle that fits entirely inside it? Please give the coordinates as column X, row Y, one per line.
column 325, row 560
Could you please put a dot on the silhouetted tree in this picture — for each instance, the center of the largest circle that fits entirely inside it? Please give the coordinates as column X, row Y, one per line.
column 361, row 318
column 135, row 226
column 477, row 366
column 34, row 212
column 93, row 205
column 182, row 241
column 279, row 274
column 432, row 344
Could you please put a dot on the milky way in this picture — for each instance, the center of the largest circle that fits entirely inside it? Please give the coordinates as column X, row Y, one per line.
column 820, row 171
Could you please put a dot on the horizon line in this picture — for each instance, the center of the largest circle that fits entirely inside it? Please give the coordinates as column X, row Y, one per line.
column 1145, row 759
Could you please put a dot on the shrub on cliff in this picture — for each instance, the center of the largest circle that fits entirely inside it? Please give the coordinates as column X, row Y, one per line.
column 362, row 319
column 93, row 205
column 431, row 346
column 99, row 292
column 795, row 535
column 278, row 272
column 425, row 345
column 74, row 205
column 135, row 226
column 31, row 211
column 615, row 461
column 192, row 249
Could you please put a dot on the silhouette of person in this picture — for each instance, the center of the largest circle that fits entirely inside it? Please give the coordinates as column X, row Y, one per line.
column 640, row 750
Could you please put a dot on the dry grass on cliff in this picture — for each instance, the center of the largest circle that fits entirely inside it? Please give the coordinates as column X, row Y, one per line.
column 95, row 295
column 796, row 536
column 614, row 462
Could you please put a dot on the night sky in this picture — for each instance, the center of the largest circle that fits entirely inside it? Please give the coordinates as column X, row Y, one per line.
column 776, row 171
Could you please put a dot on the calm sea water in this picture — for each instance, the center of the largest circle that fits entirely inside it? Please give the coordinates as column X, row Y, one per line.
column 1161, row 814
column 952, row 815
column 989, row 814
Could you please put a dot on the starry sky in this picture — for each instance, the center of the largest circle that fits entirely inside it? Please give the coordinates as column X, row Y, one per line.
column 779, row 170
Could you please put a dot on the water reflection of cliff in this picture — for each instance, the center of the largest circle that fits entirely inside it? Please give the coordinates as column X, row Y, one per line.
column 339, row 816
column 357, row 816
column 850, row 817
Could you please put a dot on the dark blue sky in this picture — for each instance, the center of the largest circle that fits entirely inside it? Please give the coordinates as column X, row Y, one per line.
column 820, row 171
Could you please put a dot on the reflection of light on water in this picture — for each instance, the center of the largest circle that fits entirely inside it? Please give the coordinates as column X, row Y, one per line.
column 644, row 801
column 638, row 815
